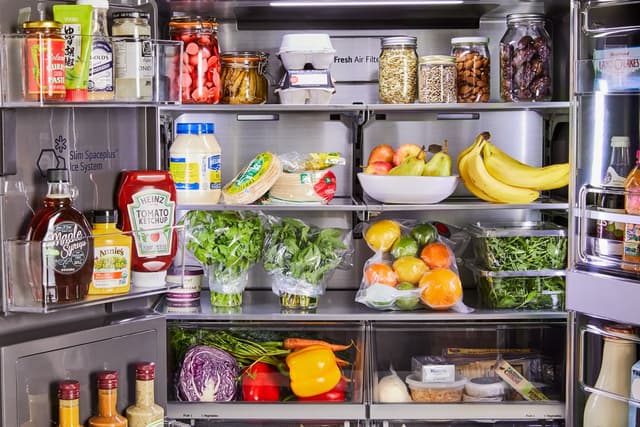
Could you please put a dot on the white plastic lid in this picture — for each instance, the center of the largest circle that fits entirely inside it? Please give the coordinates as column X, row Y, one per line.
column 437, row 59
column 306, row 42
column 143, row 279
column 100, row 4
column 470, row 40
column 619, row 141
column 457, row 384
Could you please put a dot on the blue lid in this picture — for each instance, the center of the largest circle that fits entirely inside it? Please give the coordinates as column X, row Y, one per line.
column 195, row 128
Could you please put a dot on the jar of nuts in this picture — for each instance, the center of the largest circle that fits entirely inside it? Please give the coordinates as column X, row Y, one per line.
column 397, row 70
column 473, row 67
column 437, row 79
column 525, row 59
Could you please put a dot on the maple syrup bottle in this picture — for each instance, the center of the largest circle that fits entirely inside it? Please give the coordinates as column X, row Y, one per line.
column 67, row 243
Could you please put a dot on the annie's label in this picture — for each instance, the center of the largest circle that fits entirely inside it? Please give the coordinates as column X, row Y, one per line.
column 66, row 247
column 151, row 214
column 111, row 266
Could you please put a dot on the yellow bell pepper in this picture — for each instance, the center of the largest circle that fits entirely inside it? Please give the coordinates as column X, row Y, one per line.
column 313, row 370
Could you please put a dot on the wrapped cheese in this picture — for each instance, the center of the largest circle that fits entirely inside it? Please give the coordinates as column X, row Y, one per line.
column 253, row 181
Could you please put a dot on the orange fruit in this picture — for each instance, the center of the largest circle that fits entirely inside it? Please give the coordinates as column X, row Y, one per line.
column 441, row 288
column 409, row 269
column 380, row 273
column 436, row 255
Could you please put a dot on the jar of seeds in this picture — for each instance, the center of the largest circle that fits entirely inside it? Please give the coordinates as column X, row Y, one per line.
column 397, row 70
column 437, row 79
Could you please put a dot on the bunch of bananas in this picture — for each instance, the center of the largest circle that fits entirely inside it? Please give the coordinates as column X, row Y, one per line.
column 492, row 175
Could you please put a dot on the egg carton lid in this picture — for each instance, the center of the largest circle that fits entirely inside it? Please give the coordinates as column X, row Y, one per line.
column 306, row 43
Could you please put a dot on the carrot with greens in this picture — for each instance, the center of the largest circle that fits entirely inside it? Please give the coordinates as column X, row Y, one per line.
column 298, row 343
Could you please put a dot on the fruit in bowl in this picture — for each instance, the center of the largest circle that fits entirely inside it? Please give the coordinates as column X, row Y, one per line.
column 409, row 160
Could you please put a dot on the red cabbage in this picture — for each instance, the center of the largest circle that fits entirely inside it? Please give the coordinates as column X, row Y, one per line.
column 208, row 375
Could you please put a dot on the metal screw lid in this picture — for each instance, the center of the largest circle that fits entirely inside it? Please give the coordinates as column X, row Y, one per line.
column 515, row 18
column 42, row 24
column 409, row 41
column 57, row 175
column 130, row 14
column 619, row 141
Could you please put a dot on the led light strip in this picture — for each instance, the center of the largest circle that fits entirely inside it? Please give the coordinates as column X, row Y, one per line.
column 286, row 3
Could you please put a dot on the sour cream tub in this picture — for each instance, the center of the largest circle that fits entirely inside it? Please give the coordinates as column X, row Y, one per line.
column 190, row 279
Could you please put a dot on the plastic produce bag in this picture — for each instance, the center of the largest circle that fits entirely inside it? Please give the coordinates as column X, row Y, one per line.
column 413, row 266
column 303, row 162
column 227, row 243
column 300, row 258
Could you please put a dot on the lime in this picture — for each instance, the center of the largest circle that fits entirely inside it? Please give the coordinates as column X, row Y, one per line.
column 404, row 246
column 409, row 302
column 424, row 233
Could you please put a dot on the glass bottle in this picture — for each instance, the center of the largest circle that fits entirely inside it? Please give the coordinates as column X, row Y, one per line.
column 66, row 234
column 242, row 78
column 631, row 243
column 398, row 70
column 525, row 59
column 619, row 167
column 107, row 399
column 145, row 412
column 69, row 404
column 43, row 61
column 618, row 356
column 39, row 407
column 133, row 56
column 101, row 62
column 473, row 68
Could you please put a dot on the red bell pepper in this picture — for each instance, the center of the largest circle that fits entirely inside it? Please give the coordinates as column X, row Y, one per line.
column 336, row 394
column 260, row 383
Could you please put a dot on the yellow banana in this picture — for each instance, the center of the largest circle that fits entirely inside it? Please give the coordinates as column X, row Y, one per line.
column 462, row 162
column 478, row 175
column 510, row 171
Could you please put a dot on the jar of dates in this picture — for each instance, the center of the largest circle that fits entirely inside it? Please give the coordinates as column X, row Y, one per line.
column 525, row 59
column 200, row 79
column 398, row 70
column 472, row 67
column 243, row 81
column 437, row 79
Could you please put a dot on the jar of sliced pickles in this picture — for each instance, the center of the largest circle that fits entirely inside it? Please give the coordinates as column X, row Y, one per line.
column 243, row 79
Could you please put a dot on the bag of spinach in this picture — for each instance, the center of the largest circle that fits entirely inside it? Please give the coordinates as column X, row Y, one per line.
column 227, row 243
column 300, row 258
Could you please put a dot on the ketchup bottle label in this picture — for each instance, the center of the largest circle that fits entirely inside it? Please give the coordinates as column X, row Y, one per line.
column 66, row 247
column 151, row 213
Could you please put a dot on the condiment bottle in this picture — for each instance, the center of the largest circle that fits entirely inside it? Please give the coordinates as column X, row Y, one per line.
column 69, row 404
column 617, row 358
column 194, row 162
column 101, row 61
column 112, row 255
column 133, row 56
column 107, row 399
column 398, row 70
column 44, row 65
column 65, row 233
column 147, row 205
column 145, row 412
column 631, row 244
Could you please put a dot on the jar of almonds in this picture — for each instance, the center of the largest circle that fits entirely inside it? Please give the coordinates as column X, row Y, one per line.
column 437, row 79
column 473, row 68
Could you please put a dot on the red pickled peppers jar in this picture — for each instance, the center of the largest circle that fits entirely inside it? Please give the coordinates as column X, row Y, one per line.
column 200, row 78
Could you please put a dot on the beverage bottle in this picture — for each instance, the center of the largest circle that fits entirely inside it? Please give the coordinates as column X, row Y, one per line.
column 618, row 356
column 39, row 408
column 609, row 234
column 631, row 245
column 101, row 61
column 69, row 404
column 107, row 399
column 145, row 412
column 67, row 243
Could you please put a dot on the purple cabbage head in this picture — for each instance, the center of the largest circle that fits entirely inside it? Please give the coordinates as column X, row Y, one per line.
column 208, row 375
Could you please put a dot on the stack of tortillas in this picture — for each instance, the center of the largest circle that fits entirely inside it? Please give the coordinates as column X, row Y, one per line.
column 254, row 180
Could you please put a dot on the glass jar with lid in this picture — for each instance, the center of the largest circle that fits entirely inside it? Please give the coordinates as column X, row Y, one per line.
column 473, row 68
column 43, row 61
column 243, row 80
column 200, row 79
column 397, row 70
column 525, row 59
column 437, row 79
column 133, row 55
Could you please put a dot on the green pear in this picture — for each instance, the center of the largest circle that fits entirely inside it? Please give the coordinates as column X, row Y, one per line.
column 410, row 166
column 440, row 164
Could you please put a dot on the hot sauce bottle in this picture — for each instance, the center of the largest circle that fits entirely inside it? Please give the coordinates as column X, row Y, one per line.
column 67, row 246
column 69, row 406
column 107, row 399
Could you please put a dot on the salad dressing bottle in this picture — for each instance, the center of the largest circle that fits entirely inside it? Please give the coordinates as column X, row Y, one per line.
column 145, row 412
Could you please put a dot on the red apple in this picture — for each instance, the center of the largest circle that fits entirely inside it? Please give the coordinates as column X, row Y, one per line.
column 378, row 168
column 406, row 150
column 381, row 153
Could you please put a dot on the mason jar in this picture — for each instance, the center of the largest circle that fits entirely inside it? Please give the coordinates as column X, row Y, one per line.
column 437, row 79
column 397, row 70
column 243, row 80
column 525, row 59
column 473, row 66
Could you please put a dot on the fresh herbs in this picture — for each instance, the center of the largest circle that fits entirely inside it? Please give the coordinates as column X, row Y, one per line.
column 524, row 253
column 527, row 292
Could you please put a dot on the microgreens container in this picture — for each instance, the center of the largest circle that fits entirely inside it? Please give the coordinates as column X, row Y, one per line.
column 527, row 290
column 521, row 246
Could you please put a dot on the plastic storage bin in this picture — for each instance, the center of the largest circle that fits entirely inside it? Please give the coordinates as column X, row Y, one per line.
column 436, row 392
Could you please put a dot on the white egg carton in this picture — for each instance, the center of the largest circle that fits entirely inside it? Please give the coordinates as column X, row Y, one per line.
column 297, row 50
column 315, row 95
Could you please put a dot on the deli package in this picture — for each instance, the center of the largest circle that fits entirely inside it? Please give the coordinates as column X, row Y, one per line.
column 617, row 69
column 413, row 266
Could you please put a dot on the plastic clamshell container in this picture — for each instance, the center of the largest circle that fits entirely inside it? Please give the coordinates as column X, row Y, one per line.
column 436, row 392
column 314, row 96
column 519, row 246
column 297, row 50
column 529, row 290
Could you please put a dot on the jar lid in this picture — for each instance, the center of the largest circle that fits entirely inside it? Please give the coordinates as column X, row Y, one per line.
column 514, row 18
column 619, row 141
column 57, row 175
column 470, row 40
column 68, row 390
column 108, row 380
column 243, row 57
column 187, row 270
column 42, row 24
column 105, row 216
column 195, row 128
column 130, row 14
column 100, row 4
column 193, row 21
column 399, row 40
column 437, row 59
column 620, row 329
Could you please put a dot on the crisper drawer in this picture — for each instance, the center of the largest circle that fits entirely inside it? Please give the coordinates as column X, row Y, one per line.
column 542, row 423
column 203, row 381
column 441, row 365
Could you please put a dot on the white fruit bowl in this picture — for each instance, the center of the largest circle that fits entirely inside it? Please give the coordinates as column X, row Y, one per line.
column 408, row 189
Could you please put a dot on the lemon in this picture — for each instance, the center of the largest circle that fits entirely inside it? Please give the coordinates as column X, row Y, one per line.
column 409, row 269
column 381, row 235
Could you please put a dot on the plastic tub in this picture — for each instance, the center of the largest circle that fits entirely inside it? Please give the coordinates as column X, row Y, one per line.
column 297, row 50
column 305, row 95
column 436, row 392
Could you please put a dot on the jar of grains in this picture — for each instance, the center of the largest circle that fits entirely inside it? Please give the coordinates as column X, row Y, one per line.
column 472, row 65
column 525, row 59
column 437, row 79
column 397, row 70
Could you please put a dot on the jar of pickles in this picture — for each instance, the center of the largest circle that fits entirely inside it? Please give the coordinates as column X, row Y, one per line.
column 243, row 79
column 200, row 78
column 473, row 68
column 437, row 79
column 397, row 70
